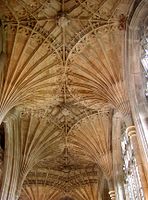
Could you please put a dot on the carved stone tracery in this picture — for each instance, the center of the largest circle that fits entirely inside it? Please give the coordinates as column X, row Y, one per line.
column 63, row 77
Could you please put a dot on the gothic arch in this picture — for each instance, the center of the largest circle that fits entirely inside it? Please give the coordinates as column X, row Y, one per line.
column 133, row 72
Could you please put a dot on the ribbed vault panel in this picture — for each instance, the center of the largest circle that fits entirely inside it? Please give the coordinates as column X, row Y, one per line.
column 91, row 137
column 40, row 192
column 64, row 172
column 68, row 182
column 88, row 192
column 95, row 73
column 61, row 63
column 32, row 71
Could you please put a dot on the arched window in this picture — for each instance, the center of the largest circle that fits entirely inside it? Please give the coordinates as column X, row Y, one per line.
column 144, row 56
column 136, row 71
column 132, row 182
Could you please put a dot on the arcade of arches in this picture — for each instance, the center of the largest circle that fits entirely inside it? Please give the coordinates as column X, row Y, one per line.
column 73, row 99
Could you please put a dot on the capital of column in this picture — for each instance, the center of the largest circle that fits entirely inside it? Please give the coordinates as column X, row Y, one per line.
column 112, row 194
column 131, row 131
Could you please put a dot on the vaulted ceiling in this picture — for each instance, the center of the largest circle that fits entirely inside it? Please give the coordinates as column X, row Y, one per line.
column 61, row 80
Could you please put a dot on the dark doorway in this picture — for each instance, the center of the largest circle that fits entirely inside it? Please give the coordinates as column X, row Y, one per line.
column 2, row 136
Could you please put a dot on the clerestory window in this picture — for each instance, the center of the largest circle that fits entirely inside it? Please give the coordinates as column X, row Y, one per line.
column 144, row 59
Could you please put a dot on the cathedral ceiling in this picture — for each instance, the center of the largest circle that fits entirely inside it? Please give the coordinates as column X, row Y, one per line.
column 62, row 79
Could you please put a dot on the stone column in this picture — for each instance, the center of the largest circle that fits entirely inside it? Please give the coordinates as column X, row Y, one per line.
column 12, row 158
column 3, row 58
column 131, row 131
column 117, row 156
column 2, row 49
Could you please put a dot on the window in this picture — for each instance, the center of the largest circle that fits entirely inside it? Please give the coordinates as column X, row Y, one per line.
column 144, row 60
column 132, row 183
